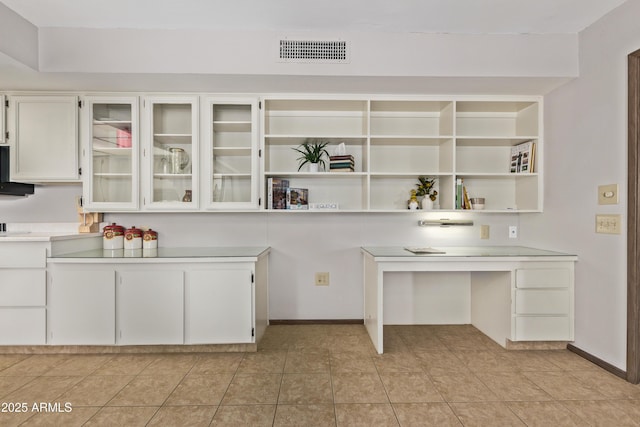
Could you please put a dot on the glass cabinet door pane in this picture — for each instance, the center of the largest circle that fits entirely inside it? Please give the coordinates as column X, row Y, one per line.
column 172, row 153
column 112, row 153
column 232, row 161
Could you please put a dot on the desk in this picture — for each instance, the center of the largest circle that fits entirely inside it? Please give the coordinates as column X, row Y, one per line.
column 517, row 293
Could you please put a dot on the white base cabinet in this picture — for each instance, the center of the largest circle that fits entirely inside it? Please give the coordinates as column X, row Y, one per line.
column 150, row 307
column 82, row 307
column 219, row 306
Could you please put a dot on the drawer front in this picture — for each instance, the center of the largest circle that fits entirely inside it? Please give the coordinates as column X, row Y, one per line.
column 22, row 326
column 22, row 255
column 543, row 328
column 22, row 287
column 529, row 301
column 543, row 278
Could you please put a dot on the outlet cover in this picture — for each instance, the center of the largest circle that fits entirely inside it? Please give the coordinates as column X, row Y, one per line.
column 513, row 232
column 322, row 279
column 484, row 231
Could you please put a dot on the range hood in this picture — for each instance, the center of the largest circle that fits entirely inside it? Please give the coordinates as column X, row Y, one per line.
column 8, row 188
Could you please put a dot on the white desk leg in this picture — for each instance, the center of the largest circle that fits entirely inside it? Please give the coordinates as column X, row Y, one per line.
column 373, row 301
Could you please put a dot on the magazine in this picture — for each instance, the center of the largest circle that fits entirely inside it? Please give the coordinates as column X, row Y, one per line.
column 523, row 158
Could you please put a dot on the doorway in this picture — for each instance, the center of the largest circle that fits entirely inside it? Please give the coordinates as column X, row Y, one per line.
column 633, row 220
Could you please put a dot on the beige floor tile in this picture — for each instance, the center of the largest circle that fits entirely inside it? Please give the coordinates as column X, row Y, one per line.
column 244, row 415
column 7, row 360
column 171, row 364
column 394, row 344
column 424, row 343
column 342, row 330
column 274, row 342
column 35, row 365
column 146, row 391
column 485, row 360
column 306, row 362
column 410, row 387
column 10, row 384
column 352, row 343
column 312, row 343
column 563, row 386
column 425, row 415
column 462, row 388
column 358, row 388
column 531, row 360
column 365, row 415
column 13, row 419
column 253, row 389
column 601, row 413
column 440, row 363
column 397, row 362
column 125, row 364
column 305, row 415
column 299, row 389
column 512, row 386
column 217, row 363
column 200, row 390
column 79, row 365
column 608, row 384
column 545, row 414
column 95, row 390
column 485, row 414
column 183, row 416
column 351, row 362
column 629, row 407
column 131, row 416
column 75, row 417
column 262, row 362
column 42, row 389
column 567, row 361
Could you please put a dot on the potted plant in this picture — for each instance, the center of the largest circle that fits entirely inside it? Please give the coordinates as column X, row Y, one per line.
column 425, row 189
column 312, row 151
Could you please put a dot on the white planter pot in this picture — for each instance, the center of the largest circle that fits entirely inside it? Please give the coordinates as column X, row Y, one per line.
column 427, row 204
column 314, row 167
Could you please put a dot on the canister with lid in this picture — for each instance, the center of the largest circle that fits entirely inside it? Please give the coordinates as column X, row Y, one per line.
column 133, row 238
column 113, row 237
column 150, row 239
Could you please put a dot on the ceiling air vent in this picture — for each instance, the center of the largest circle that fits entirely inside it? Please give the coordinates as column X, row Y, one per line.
column 314, row 51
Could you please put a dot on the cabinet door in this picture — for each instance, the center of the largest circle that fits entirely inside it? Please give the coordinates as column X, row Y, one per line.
column 3, row 136
column 170, row 153
column 231, row 170
column 110, row 153
column 22, row 326
column 82, row 307
column 150, row 307
column 43, row 133
column 219, row 307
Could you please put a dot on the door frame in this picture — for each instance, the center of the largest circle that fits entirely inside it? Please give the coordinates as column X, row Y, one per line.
column 633, row 219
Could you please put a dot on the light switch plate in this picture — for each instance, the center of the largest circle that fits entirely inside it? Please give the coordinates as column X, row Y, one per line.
column 608, row 224
column 608, row 194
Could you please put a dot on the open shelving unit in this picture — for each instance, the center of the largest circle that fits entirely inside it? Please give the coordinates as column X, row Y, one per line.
column 393, row 141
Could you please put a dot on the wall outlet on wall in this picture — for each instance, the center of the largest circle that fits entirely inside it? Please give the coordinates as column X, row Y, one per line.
column 322, row 279
column 484, row 231
column 513, row 232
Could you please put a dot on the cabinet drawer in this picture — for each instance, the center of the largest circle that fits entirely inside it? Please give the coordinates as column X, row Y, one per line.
column 22, row 255
column 22, row 287
column 543, row 328
column 22, row 326
column 531, row 301
column 543, row 278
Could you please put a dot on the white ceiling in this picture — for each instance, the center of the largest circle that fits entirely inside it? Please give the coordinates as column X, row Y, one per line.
column 428, row 16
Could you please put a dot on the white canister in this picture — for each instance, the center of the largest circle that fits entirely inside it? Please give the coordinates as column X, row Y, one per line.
column 133, row 238
column 150, row 239
column 113, row 237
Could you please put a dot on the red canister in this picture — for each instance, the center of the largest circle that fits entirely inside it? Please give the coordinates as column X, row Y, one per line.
column 133, row 238
column 150, row 239
column 113, row 237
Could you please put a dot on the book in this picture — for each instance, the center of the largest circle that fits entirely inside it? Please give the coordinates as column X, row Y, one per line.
column 341, row 170
column 341, row 163
column 277, row 193
column 467, row 203
column 297, row 198
column 522, row 158
column 459, row 195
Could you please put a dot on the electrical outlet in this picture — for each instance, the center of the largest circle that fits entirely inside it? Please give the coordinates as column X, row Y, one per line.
column 608, row 224
column 513, row 232
column 322, row 279
column 608, row 194
column 484, row 231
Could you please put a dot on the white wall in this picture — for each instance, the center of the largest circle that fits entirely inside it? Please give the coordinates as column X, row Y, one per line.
column 585, row 146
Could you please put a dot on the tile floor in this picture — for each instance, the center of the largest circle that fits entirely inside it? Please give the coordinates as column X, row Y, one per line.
column 322, row 375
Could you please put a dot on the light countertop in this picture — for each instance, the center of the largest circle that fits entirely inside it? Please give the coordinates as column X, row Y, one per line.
column 42, row 236
column 463, row 251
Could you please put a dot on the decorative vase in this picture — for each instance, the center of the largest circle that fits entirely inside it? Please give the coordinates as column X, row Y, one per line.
column 187, row 196
column 314, row 167
column 427, row 203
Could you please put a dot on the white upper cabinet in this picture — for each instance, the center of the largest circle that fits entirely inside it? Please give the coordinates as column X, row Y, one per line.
column 110, row 149
column 43, row 134
column 230, row 129
column 170, row 151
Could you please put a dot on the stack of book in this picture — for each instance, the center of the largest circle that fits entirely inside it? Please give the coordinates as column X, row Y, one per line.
column 341, row 163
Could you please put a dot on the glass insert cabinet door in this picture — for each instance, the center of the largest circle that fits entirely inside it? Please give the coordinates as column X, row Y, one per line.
column 110, row 152
column 170, row 155
column 232, row 164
